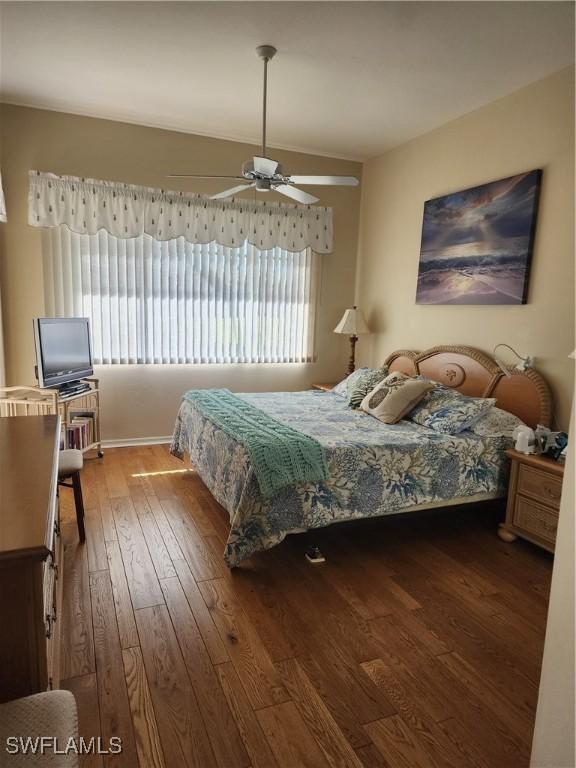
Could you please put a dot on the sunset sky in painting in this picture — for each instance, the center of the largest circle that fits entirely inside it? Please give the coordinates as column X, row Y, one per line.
column 480, row 220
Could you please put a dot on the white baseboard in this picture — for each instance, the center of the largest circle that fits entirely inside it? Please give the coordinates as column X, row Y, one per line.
column 126, row 442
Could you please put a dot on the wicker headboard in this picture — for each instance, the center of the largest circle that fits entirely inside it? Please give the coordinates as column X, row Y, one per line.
column 525, row 393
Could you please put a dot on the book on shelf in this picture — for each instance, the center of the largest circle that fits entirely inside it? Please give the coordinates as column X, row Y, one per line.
column 80, row 431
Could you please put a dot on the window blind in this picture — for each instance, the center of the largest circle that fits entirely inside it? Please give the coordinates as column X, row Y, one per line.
column 173, row 301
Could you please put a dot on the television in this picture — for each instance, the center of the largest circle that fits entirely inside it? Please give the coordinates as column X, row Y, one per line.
column 63, row 352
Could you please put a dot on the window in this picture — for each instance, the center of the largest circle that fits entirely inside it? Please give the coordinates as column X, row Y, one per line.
column 172, row 301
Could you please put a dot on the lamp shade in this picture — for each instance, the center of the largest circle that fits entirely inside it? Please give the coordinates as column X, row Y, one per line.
column 352, row 323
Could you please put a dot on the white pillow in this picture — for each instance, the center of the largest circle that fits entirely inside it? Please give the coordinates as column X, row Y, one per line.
column 496, row 423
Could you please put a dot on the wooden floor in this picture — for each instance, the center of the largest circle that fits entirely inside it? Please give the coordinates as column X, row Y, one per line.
column 418, row 643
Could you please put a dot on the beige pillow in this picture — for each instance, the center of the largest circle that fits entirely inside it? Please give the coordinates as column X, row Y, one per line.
column 394, row 397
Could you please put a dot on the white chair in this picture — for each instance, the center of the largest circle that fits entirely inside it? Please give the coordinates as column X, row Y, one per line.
column 70, row 462
column 52, row 714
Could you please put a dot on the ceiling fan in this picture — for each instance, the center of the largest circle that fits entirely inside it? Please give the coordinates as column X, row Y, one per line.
column 262, row 173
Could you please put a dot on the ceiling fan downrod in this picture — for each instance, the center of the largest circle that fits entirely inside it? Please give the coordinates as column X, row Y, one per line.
column 266, row 52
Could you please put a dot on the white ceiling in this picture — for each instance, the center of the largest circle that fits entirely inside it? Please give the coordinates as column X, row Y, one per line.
column 351, row 79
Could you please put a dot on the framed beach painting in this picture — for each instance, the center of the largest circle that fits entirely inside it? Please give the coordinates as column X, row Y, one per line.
column 477, row 244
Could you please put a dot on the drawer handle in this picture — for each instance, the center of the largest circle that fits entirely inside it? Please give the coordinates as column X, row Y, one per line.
column 552, row 492
column 550, row 527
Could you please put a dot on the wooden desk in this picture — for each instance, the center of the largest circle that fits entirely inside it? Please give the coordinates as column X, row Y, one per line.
column 30, row 555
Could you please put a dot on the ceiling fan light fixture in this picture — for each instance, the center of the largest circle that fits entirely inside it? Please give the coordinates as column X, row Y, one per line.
column 263, row 185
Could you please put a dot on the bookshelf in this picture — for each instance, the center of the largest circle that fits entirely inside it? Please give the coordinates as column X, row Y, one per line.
column 79, row 413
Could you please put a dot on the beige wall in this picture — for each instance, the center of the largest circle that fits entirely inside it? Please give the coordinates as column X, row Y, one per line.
column 532, row 128
column 141, row 401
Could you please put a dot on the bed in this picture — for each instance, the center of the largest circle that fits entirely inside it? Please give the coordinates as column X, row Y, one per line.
column 374, row 469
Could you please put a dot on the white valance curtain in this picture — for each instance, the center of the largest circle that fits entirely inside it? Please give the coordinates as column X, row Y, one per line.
column 87, row 206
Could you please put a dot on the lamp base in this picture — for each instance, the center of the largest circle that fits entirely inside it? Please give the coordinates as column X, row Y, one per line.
column 351, row 361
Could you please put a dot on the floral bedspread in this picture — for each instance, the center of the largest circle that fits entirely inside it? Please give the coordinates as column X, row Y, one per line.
column 373, row 468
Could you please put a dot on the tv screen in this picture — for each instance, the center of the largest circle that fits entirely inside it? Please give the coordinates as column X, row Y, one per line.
column 62, row 349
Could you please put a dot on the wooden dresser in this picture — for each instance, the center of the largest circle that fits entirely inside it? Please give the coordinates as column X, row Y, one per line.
column 30, row 555
column 533, row 499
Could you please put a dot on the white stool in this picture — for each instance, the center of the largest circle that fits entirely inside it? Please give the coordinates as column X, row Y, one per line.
column 51, row 714
column 70, row 462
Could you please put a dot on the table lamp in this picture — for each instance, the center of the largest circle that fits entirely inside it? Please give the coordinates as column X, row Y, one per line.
column 352, row 323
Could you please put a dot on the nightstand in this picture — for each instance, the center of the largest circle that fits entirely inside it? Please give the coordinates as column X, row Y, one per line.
column 533, row 499
column 324, row 387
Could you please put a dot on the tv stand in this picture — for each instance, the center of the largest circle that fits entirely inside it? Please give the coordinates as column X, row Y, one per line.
column 83, row 395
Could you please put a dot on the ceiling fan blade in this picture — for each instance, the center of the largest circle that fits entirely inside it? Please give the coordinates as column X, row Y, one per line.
column 295, row 193
column 265, row 166
column 198, row 176
column 232, row 191
column 344, row 181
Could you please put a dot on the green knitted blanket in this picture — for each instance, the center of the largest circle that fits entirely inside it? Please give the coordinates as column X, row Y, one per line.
column 280, row 455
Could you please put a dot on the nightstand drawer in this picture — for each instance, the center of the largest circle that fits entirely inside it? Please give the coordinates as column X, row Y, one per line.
column 536, row 519
column 541, row 486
